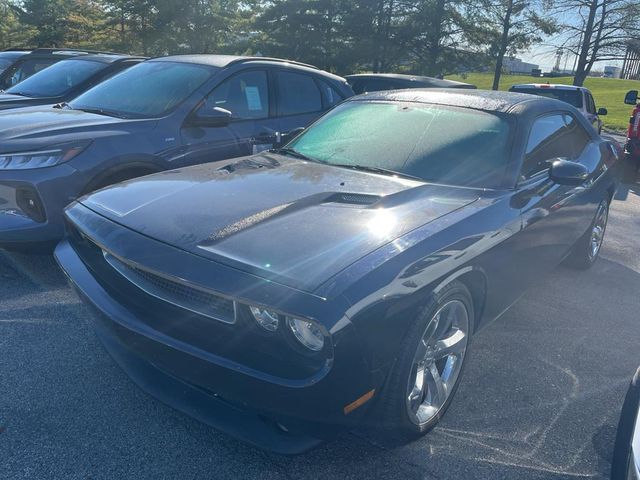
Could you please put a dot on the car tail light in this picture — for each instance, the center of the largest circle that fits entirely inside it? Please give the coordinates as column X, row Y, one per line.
column 29, row 202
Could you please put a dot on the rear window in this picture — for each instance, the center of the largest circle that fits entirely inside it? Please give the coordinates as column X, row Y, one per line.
column 436, row 143
column 572, row 97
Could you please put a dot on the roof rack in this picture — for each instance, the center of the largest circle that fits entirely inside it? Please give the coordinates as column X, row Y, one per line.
column 18, row 49
column 270, row 59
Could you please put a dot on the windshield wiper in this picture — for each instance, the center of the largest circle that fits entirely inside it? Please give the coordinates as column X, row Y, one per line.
column 292, row 153
column 64, row 105
column 100, row 111
column 380, row 170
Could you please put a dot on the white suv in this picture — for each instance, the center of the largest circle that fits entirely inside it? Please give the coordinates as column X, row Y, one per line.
column 579, row 97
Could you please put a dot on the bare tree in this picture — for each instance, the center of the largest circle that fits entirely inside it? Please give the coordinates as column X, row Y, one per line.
column 512, row 26
column 599, row 30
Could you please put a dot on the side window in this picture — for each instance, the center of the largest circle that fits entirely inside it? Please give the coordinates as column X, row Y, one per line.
column 245, row 95
column 297, row 94
column 330, row 95
column 591, row 105
column 547, row 141
column 577, row 136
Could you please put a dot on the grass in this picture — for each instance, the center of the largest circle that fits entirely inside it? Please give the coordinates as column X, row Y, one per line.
column 607, row 92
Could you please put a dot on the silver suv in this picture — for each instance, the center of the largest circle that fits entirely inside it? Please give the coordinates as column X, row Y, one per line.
column 579, row 97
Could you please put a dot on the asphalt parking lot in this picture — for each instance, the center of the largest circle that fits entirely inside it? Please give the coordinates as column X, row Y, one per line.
column 540, row 397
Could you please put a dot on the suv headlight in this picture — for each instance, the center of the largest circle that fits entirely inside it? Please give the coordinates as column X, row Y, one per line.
column 45, row 157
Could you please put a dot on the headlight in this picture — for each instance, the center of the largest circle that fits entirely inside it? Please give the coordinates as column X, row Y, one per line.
column 267, row 319
column 307, row 332
column 41, row 158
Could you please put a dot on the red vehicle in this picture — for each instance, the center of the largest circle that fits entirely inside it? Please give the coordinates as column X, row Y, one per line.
column 632, row 147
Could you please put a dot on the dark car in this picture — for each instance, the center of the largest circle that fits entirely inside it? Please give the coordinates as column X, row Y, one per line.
column 375, row 82
column 31, row 62
column 160, row 114
column 65, row 80
column 338, row 280
column 9, row 57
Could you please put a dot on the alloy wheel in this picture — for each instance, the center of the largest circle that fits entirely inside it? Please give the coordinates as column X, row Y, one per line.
column 438, row 361
column 597, row 232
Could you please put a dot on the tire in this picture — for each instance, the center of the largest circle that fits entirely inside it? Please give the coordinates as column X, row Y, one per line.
column 396, row 407
column 586, row 250
column 622, row 450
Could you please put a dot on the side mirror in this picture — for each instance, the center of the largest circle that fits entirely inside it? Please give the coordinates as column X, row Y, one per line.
column 631, row 98
column 602, row 112
column 564, row 172
column 216, row 117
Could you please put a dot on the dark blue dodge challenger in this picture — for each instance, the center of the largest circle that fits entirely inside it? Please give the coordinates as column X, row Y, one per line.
column 292, row 294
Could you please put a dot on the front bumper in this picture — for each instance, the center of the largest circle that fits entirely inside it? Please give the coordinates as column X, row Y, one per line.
column 50, row 190
column 242, row 402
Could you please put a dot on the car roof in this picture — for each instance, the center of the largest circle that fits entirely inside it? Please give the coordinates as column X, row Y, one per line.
column 104, row 58
column 488, row 100
column 557, row 86
column 425, row 81
column 13, row 53
column 222, row 61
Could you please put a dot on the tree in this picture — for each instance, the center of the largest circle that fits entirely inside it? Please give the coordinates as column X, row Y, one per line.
column 512, row 26
column 13, row 33
column 48, row 19
column 441, row 36
column 305, row 30
column 600, row 30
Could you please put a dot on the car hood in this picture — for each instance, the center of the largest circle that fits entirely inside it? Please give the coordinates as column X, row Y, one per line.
column 8, row 100
column 31, row 127
column 298, row 223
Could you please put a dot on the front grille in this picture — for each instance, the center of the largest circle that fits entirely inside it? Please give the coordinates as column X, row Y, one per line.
column 175, row 292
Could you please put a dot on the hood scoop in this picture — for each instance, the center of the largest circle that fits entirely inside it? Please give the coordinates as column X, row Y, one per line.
column 347, row 199
column 356, row 199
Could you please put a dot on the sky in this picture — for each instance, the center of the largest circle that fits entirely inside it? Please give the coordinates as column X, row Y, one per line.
column 544, row 54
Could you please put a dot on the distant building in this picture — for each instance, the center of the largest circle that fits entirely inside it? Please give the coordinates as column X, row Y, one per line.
column 514, row 65
column 611, row 71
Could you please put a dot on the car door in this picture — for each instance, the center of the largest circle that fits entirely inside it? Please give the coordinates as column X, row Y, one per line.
column 298, row 100
column 252, row 127
column 553, row 216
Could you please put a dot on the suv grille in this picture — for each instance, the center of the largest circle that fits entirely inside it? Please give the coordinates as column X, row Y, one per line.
column 175, row 292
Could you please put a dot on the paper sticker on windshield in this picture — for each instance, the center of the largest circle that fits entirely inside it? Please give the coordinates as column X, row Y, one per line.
column 253, row 98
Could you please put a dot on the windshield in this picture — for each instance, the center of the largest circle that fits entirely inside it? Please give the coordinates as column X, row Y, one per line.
column 149, row 89
column 57, row 79
column 23, row 69
column 4, row 63
column 572, row 97
column 439, row 144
